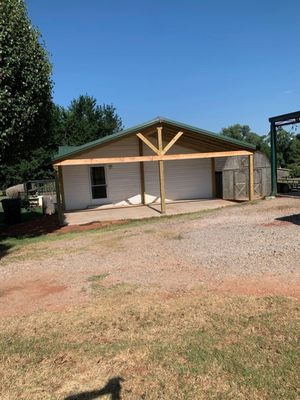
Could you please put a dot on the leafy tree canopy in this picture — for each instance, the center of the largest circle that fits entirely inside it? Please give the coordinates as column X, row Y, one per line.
column 295, row 150
column 244, row 133
column 84, row 121
column 25, row 85
column 284, row 148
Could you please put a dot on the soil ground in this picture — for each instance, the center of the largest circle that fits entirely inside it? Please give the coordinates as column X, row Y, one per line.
column 249, row 249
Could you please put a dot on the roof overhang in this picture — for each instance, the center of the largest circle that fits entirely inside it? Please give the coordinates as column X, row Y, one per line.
column 199, row 140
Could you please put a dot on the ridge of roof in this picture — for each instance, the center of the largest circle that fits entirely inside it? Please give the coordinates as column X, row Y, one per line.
column 72, row 150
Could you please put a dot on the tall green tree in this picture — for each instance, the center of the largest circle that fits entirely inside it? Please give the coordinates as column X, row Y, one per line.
column 84, row 121
column 25, row 87
column 295, row 150
column 284, row 148
column 295, row 155
column 244, row 133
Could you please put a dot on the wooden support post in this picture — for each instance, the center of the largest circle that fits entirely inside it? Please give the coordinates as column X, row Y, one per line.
column 61, row 187
column 58, row 199
column 213, row 177
column 142, row 174
column 251, row 177
column 161, row 172
column 162, row 186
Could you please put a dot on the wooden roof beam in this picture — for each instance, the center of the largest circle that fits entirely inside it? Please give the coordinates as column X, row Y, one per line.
column 148, row 143
column 163, row 157
column 172, row 142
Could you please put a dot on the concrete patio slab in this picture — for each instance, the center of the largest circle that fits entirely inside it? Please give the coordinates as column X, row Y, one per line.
column 138, row 212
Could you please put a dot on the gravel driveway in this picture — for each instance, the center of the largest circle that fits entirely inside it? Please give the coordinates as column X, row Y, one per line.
column 248, row 249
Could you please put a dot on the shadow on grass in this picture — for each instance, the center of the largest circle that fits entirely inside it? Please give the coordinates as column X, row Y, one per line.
column 4, row 248
column 293, row 219
column 113, row 388
column 33, row 224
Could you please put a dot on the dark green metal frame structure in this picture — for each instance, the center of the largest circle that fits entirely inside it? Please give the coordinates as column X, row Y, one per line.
column 275, row 122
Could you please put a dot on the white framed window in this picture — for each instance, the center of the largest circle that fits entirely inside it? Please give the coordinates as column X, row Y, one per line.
column 98, row 182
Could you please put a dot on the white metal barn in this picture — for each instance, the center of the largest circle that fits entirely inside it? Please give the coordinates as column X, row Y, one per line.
column 158, row 161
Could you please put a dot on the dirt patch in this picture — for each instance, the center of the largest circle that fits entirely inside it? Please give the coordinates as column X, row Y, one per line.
column 267, row 286
column 35, row 289
column 27, row 297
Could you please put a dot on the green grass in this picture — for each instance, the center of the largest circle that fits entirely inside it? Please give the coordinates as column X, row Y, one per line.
column 194, row 345
column 10, row 243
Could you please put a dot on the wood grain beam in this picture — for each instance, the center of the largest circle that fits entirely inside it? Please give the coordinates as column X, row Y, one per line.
column 161, row 170
column 61, row 186
column 251, row 177
column 142, row 174
column 58, row 197
column 165, row 157
column 172, row 142
column 147, row 142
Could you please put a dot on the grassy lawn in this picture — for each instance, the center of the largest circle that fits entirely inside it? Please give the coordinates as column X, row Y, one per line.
column 8, row 243
column 193, row 345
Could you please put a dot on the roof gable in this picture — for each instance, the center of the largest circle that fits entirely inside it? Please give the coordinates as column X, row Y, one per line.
column 70, row 151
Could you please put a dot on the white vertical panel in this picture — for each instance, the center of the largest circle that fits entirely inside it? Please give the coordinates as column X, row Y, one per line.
column 76, row 186
column 184, row 179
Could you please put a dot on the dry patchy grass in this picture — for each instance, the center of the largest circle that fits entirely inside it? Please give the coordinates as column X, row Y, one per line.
column 192, row 345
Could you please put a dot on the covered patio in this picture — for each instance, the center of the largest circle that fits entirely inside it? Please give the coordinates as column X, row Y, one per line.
column 142, row 211
column 185, row 159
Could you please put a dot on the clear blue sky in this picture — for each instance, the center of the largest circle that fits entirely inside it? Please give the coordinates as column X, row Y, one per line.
column 209, row 63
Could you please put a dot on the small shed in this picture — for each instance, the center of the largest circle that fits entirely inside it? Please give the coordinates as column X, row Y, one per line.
column 232, row 177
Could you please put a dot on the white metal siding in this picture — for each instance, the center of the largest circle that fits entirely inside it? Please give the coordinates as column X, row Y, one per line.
column 123, row 180
column 185, row 179
column 76, row 186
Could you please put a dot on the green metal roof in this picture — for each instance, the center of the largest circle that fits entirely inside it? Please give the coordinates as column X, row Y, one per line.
column 63, row 150
column 68, row 151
